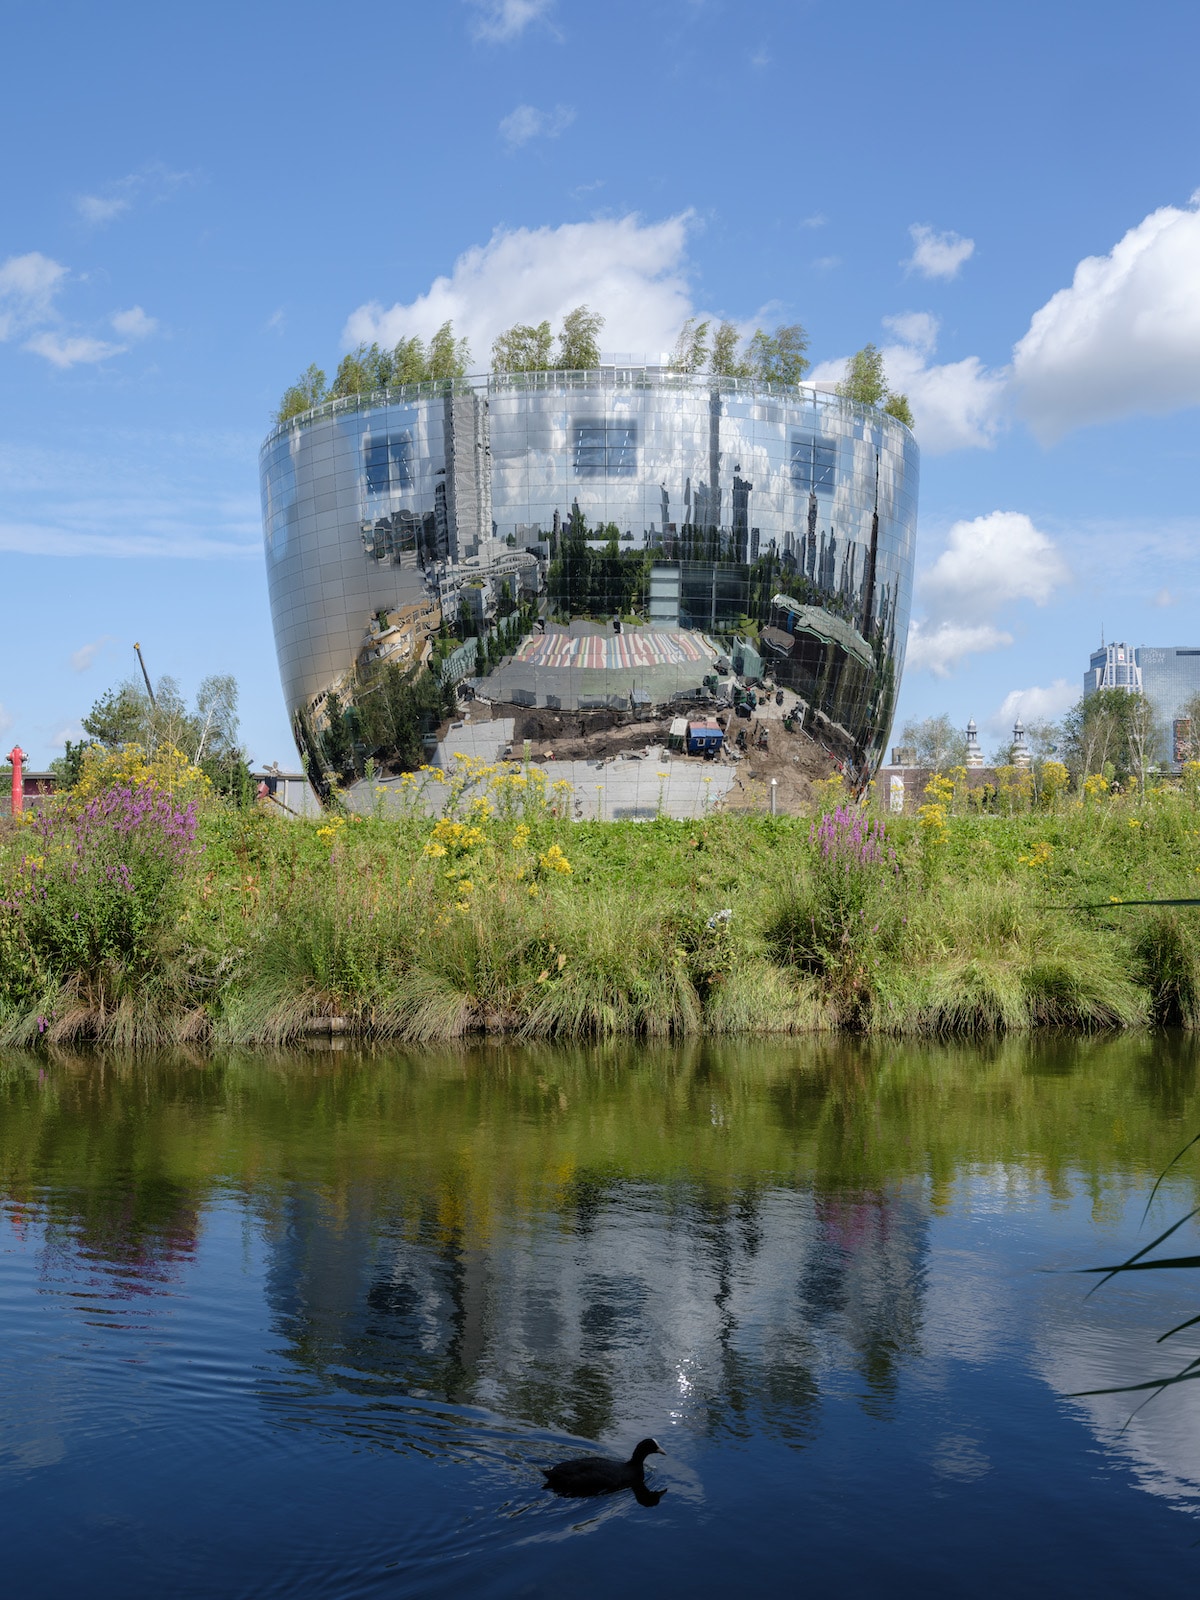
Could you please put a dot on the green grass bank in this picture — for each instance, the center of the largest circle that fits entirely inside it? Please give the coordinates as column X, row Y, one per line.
column 147, row 912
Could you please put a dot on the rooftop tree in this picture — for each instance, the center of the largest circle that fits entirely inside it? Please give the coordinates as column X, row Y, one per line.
column 523, row 348
column 369, row 367
column 780, row 357
column 578, row 347
column 866, row 383
column 306, row 392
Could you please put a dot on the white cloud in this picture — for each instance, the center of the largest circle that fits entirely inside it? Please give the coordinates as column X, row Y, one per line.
column 99, row 209
column 497, row 21
column 134, row 323
column 83, row 658
column 761, row 58
column 956, row 405
column 28, row 285
column 938, row 255
column 71, row 350
column 6, row 718
column 1163, row 597
column 527, row 122
column 940, row 648
column 276, row 322
column 815, row 221
column 74, row 731
column 988, row 563
column 100, row 498
column 916, row 328
column 826, row 263
column 153, row 182
column 991, row 561
column 38, row 539
column 1033, row 705
column 633, row 273
column 1125, row 337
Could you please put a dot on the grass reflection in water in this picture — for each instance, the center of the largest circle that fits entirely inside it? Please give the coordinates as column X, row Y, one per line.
column 443, row 1271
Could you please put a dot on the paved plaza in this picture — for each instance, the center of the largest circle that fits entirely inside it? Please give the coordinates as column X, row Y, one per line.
column 586, row 664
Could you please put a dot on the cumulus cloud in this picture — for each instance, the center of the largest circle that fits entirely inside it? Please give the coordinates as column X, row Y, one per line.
column 633, row 273
column 988, row 563
column 527, row 122
column 1125, row 337
column 497, row 21
column 74, row 731
column 28, row 285
column 64, row 350
column 916, row 328
column 940, row 647
column 938, row 255
column 991, row 561
column 1033, row 705
column 83, row 658
column 134, row 323
column 957, row 405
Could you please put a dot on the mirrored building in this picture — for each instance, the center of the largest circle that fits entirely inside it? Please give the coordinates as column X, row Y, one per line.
column 621, row 537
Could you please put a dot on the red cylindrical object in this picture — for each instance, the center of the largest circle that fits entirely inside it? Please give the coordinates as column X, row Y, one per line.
column 16, row 755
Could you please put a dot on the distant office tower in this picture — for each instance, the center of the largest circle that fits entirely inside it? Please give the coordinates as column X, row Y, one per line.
column 1112, row 666
column 1169, row 677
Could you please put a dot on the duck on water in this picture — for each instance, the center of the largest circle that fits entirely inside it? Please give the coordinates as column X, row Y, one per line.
column 604, row 1475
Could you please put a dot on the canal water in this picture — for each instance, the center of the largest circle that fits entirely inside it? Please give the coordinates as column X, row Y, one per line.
column 311, row 1324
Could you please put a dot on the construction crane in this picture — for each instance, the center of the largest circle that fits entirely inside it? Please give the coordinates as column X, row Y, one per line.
column 145, row 674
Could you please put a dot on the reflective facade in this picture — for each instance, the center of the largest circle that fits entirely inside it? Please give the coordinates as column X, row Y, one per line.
column 1170, row 680
column 774, row 524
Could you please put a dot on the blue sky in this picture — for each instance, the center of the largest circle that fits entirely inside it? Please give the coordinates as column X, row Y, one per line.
column 198, row 202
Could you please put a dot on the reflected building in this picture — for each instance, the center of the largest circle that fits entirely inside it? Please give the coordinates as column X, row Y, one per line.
column 623, row 1301
column 776, row 522
column 1170, row 680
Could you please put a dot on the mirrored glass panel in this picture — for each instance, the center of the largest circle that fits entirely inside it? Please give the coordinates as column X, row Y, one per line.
column 629, row 543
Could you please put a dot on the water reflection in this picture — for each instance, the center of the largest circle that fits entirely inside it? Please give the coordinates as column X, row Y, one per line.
column 464, row 1262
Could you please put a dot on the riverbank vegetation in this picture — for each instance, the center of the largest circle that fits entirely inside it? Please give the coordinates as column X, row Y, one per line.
column 142, row 908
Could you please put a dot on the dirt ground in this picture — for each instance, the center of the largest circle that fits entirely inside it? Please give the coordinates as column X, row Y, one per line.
column 793, row 759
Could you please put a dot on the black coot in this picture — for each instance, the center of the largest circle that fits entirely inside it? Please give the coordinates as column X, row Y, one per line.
column 601, row 1474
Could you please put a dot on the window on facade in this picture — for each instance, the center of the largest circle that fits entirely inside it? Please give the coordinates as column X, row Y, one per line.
column 605, row 449
column 388, row 462
column 814, row 461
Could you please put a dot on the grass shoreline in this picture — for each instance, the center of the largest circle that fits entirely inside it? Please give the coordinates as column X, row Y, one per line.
column 505, row 918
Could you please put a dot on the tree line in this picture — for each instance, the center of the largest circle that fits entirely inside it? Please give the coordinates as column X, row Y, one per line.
column 205, row 732
column 1111, row 733
column 780, row 356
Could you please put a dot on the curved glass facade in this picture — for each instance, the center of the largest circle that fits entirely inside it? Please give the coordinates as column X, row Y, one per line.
column 496, row 527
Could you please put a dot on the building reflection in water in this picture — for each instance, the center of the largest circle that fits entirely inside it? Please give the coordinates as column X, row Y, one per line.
column 620, row 1304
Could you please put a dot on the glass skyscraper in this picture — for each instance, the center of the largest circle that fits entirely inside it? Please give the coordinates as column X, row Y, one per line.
column 586, row 538
column 1170, row 679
